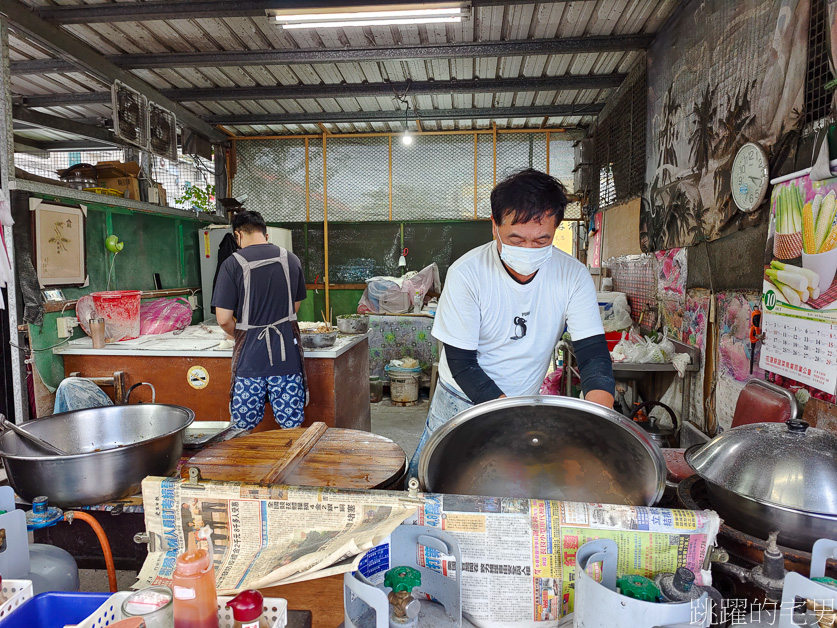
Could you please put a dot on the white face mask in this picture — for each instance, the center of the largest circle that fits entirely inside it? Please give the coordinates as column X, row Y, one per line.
column 522, row 259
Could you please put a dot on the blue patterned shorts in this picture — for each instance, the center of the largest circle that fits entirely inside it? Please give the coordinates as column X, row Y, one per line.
column 287, row 396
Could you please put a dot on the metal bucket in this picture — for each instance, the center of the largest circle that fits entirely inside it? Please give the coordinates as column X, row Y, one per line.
column 111, row 450
column 544, row 448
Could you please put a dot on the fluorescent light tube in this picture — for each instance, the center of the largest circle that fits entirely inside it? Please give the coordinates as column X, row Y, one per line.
column 382, row 22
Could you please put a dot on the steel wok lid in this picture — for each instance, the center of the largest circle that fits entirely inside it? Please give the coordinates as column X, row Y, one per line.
column 786, row 464
column 544, row 448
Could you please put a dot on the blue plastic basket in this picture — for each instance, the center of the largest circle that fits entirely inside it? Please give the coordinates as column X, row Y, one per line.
column 55, row 609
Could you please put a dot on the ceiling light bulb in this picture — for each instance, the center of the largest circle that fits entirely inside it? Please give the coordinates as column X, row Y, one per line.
column 406, row 139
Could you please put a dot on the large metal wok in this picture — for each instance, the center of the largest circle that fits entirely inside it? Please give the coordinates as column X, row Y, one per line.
column 111, row 450
column 544, row 448
column 765, row 477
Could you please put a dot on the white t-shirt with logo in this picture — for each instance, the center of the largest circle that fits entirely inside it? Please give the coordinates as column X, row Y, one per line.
column 513, row 327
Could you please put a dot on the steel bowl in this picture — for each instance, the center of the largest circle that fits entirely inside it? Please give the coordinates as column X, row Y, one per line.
column 319, row 341
column 544, row 448
column 354, row 324
column 111, row 450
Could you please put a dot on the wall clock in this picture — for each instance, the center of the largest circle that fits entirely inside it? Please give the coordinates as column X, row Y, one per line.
column 749, row 177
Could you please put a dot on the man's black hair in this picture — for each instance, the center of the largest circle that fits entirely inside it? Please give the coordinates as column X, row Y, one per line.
column 249, row 222
column 528, row 195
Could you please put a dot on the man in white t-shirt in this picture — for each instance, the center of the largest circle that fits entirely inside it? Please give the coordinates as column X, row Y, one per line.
column 505, row 305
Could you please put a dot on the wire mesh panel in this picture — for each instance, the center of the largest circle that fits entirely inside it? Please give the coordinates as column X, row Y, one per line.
column 316, row 206
column 178, row 176
column 358, row 178
column 818, row 99
column 272, row 175
column 516, row 151
column 485, row 174
column 360, row 251
column 562, row 161
column 47, row 164
column 433, row 178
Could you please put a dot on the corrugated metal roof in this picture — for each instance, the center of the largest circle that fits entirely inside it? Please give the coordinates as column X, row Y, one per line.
column 488, row 24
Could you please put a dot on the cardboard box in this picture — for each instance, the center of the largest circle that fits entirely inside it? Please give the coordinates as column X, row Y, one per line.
column 121, row 176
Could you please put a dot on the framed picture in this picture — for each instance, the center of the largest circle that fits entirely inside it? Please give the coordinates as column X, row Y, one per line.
column 60, row 249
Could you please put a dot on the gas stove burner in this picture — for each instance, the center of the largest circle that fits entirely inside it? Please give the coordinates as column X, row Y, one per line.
column 744, row 547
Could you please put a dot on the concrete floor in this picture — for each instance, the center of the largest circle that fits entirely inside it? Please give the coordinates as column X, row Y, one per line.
column 404, row 426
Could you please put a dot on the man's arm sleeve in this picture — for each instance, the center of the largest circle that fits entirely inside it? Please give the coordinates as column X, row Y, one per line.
column 594, row 364
column 469, row 375
column 301, row 291
column 225, row 294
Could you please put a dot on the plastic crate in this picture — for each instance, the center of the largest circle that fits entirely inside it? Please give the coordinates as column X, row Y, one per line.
column 54, row 609
column 275, row 609
column 16, row 593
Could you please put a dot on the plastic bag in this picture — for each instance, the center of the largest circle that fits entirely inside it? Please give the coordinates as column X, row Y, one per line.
column 618, row 317
column 394, row 295
column 162, row 315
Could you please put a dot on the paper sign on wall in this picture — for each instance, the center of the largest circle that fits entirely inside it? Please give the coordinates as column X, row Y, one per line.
column 800, row 283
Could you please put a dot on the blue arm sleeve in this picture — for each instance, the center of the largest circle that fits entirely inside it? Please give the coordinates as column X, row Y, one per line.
column 469, row 375
column 594, row 364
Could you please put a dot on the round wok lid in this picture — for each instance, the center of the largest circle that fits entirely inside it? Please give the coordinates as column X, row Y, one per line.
column 544, row 448
column 785, row 464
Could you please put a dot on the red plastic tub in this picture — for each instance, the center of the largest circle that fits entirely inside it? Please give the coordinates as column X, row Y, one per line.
column 121, row 311
column 612, row 338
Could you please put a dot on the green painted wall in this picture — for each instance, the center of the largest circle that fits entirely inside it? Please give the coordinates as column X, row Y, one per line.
column 153, row 244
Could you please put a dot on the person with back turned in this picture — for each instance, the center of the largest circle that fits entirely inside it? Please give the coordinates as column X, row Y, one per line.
column 256, row 298
column 505, row 305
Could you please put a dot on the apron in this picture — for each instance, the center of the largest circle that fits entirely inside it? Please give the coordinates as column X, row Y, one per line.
column 243, row 326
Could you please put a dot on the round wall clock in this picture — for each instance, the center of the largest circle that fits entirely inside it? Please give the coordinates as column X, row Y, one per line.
column 749, row 177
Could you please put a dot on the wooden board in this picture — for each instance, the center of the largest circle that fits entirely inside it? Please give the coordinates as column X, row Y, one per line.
column 339, row 459
column 621, row 230
column 323, row 597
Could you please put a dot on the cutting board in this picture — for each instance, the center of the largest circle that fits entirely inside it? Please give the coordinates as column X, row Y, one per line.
column 316, row 456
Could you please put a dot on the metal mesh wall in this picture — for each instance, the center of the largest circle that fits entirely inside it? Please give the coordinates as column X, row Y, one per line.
column 485, row 174
column 619, row 144
column 316, row 206
column 358, row 178
column 561, row 164
column 47, row 164
column 516, row 151
column 818, row 99
column 176, row 176
column 433, row 178
column 272, row 175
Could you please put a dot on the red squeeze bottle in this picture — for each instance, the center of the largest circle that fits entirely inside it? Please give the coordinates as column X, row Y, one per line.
column 248, row 610
column 193, row 582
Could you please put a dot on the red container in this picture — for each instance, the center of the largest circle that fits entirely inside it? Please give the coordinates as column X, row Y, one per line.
column 612, row 338
column 121, row 311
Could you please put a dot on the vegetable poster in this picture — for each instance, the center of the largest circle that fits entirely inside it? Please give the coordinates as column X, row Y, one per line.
column 800, row 288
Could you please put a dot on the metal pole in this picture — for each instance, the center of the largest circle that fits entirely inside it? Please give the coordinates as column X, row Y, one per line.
column 307, row 187
column 7, row 179
column 325, row 227
column 390, row 177
column 475, row 175
column 494, row 138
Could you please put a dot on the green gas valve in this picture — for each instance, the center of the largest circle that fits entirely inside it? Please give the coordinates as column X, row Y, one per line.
column 638, row 588
column 402, row 579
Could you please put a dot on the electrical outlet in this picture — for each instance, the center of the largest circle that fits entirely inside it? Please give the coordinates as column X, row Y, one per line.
column 193, row 302
column 66, row 324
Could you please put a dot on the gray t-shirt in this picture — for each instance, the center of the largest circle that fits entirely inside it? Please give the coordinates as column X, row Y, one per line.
column 268, row 303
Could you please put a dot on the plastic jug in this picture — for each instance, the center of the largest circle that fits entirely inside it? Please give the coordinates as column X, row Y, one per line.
column 248, row 610
column 193, row 583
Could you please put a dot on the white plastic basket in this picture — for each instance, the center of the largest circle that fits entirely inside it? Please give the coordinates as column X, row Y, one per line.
column 16, row 593
column 275, row 610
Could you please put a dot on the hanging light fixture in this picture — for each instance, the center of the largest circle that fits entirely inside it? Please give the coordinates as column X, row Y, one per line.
column 331, row 17
column 407, row 138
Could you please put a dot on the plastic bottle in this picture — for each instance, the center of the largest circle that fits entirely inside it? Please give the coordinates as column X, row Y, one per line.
column 193, row 582
column 248, row 610
column 418, row 302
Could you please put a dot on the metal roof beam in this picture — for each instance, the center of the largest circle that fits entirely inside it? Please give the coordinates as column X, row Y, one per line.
column 586, row 109
column 184, row 9
column 359, row 90
column 47, row 121
column 231, row 58
column 69, row 47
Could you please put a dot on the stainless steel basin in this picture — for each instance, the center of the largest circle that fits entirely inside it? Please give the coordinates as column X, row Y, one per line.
column 111, row 450
column 544, row 448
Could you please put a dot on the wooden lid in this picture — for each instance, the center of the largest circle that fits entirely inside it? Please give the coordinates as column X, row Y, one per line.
column 316, row 456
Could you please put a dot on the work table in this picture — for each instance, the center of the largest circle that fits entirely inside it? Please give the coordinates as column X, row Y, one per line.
column 190, row 369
